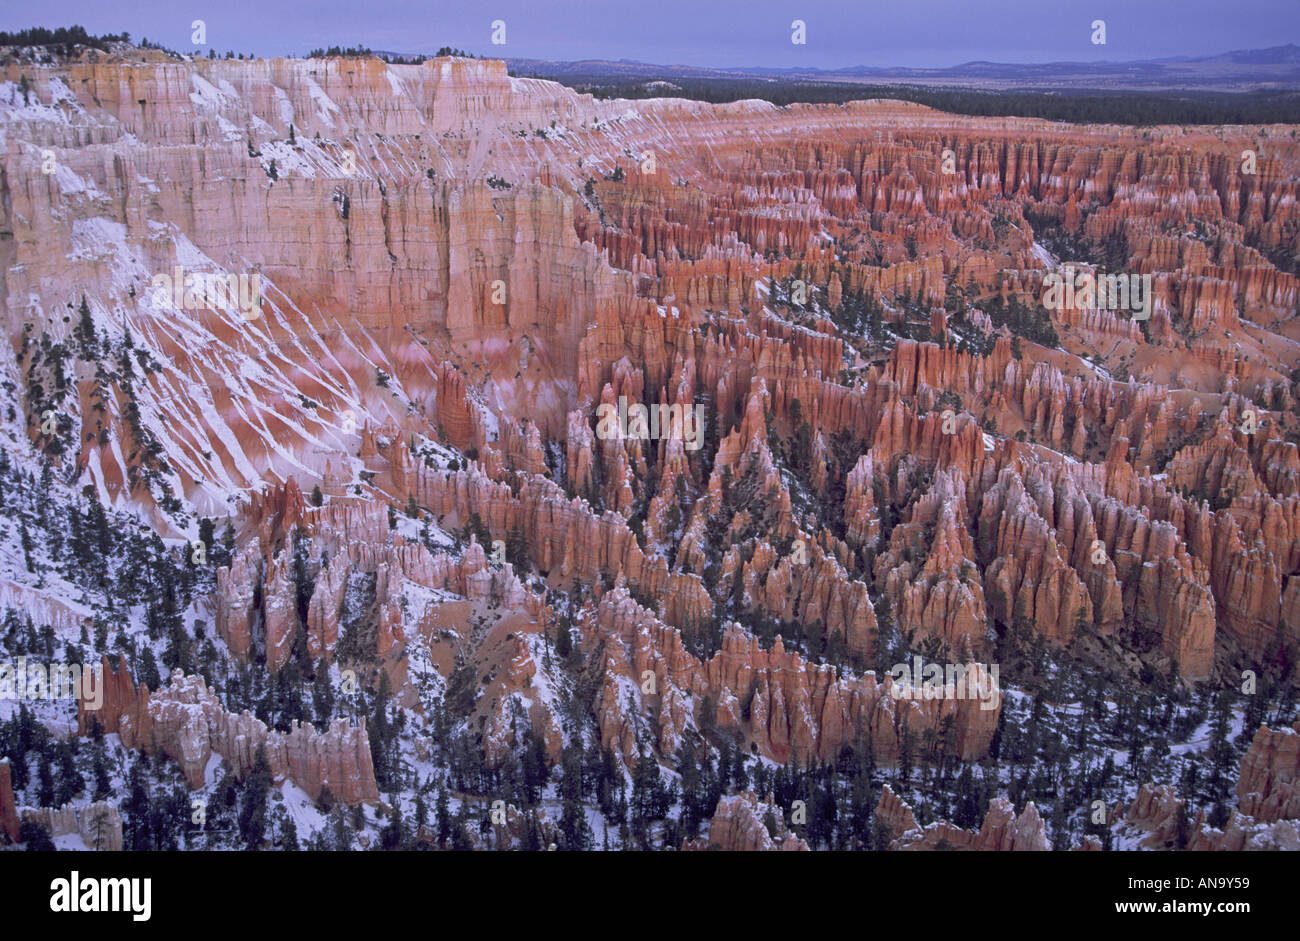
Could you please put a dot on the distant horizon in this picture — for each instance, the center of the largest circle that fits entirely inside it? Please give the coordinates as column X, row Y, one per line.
column 858, row 65
column 935, row 34
column 501, row 55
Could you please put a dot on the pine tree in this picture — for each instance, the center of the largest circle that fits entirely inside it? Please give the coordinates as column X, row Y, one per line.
column 443, row 816
column 304, row 584
column 323, row 695
column 905, row 751
column 739, row 775
column 689, row 771
column 393, row 836
column 85, row 331
column 1222, row 757
column 71, row 780
column 535, row 771
column 99, row 767
column 35, row 837
column 563, row 639
column 575, row 830
column 289, row 835
column 149, row 669
column 45, row 779
column 380, row 731
column 253, row 811
column 137, row 824
column 342, row 841
column 822, row 812
column 532, row 841
column 421, row 811
column 517, row 551
column 967, row 810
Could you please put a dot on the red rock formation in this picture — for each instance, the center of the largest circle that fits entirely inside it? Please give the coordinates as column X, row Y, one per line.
column 1268, row 795
column 774, row 698
column 945, row 598
column 860, row 511
column 1001, row 831
column 1268, row 785
column 738, row 825
column 1156, row 809
column 895, row 815
column 9, row 822
column 482, row 280
column 123, row 707
column 1028, row 574
column 188, row 724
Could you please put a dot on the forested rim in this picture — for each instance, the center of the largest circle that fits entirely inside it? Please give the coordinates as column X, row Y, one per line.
column 1095, row 107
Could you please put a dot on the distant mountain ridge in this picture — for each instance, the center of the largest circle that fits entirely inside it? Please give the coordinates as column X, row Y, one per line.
column 1273, row 67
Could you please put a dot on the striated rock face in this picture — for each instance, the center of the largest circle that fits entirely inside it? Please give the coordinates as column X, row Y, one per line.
column 280, row 615
column 739, row 824
column 459, row 269
column 860, row 512
column 1029, row 571
column 235, row 587
column 504, row 314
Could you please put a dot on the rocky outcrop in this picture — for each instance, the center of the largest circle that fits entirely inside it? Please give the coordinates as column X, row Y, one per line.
column 1157, row 809
column 123, row 706
column 1028, row 574
column 775, row 699
column 186, row 722
column 1268, row 797
column 1157, row 816
column 189, row 725
column 894, row 815
column 741, row 823
column 1268, row 785
column 1002, row 830
column 9, row 822
column 943, row 597
column 99, row 824
column 235, row 590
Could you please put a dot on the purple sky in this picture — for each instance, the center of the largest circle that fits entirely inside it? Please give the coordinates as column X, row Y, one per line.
column 919, row 33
